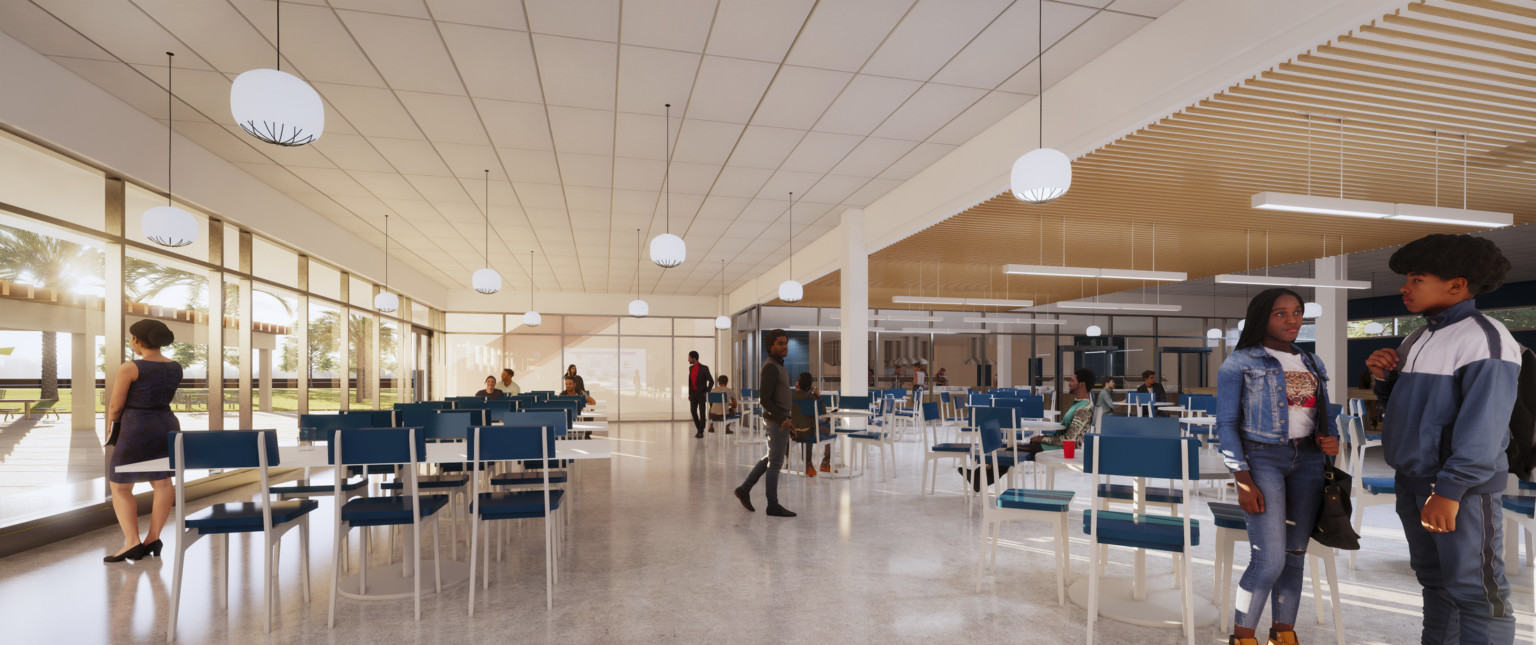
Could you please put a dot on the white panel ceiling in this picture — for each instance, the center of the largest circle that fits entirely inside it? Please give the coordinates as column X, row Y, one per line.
column 561, row 101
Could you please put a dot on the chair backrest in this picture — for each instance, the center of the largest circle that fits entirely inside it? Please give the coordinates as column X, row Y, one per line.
column 1353, row 429
column 451, row 424
column 1203, row 402
column 568, row 408
column 829, row 401
column 1029, row 407
column 477, row 416
column 944, row 398
column 853, row 403
column 542, row 395
column 806, row 407
column 991, row 435
column 511, row 443
column 1138, row 398
column 223, row 448
column 900, row 393
column 716, row 398
column 1003, row 416
column 1139, row 426
column 477, row 403
column 529, row 418
column 930, row 412
column 318, row 427
column 423, row 405
column 579, row 401
column 1140, row 456
column 376, row 418
column 978, row 399
column 1357, row 407
column 377, row 446
column 1187, row 401
column 1335, row 409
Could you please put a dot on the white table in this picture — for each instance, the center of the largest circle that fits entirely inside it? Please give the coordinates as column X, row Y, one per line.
column 391, row 582
column 847, row 446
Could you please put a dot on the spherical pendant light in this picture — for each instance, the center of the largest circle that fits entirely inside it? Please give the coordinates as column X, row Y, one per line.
column 532, row 319
column 1374, row 328
column 638, row 308
column 1241, row 324
column 1094, row 331
column 277, row 107
column 486, row 280
column 386, row 302
column 722, row 322
column 1041, row 175
column 668, row 250
column 791, row 291
column 1311, row 310
column 1213, row 333
column 169, row 226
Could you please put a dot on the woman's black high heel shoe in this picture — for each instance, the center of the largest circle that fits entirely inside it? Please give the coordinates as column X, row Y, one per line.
column 153, row 548
column 136, row 552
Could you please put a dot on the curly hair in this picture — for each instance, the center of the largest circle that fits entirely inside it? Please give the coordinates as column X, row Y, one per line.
column 1454, row 256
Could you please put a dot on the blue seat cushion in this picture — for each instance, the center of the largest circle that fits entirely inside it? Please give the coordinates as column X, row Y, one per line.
column 245, row 517
column 1373, row 436
column 1229, row 516
column 876, row 436
column 318, row 489
column 1379, row 485
column 533, row 464
column 515, row 505
column 429, row 483
column 951, row 447
column 461, row 467
column 1157, row 532
column 1152, row 494
column 382, row 511
column 1522, row 504
column 534, row 478
column 1005, row 458
column 1031, row 499
column 1525, row 485
column 816, row 438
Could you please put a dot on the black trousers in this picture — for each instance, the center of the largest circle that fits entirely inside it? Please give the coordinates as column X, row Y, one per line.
column 697, row 406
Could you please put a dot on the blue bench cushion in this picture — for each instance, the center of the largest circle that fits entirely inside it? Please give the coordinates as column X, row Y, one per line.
column 876, row 436
column 515, row 505
column 318, row 489
column 951, row 447
column 380, row 511
column 1229, row 516
column 1030, row 499
column 1157, row 532
column 528, row 478
column 429, row 483
column 1522, row 504
column 245, row 517
column 1379, row 485
column 1152, row 494
column 1525, row 485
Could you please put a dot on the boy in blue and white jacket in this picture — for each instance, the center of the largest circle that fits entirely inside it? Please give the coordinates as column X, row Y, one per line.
column 1448, row 396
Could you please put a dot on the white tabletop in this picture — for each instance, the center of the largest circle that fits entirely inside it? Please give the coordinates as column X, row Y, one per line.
column 1178, row 409
column 442, row 452
column 1199, row 421
column 850, row 413
column 1030, row 424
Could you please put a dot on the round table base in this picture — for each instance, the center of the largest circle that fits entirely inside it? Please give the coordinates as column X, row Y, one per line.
column 1161, row 608
column 388, row 583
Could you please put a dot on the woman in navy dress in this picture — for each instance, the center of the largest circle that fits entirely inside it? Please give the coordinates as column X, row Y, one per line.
column 141, row 400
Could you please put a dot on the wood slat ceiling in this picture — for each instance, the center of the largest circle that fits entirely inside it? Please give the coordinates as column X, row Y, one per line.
column 1411, row 88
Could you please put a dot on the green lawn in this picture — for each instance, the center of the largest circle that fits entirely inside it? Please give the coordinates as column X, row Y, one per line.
column 283, row 400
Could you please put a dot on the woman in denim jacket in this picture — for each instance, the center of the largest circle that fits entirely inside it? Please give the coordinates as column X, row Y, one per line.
column 1273, row 423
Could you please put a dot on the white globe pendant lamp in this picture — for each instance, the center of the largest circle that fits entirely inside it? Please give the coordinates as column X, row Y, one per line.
column 532, row 317
column 1042, row 174
column 722, row 321
column 386, row 302
column 1311, row 310
column 275, row 106
column 1241, row 324
column 167, row 225
column 486, row 280
column 1213, row 333
column 1094, row 331
column 791, row 290
column 668, row 250
column 637, row 307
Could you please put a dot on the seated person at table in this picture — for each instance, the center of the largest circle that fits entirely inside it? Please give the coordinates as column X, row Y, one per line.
column 1104, row 398
column 718, row 412
column 573, row 389
column 490, row 392
column 804, row 425
column 1078, row 420
column 1149, row 384
column 941, row 379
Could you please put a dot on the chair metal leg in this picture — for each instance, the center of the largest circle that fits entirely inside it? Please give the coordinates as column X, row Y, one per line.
column 223, row 554
column 304, row 555
column 266, row 583
column 1064, row 567
column 181, row 542
column 335, row 569
column 437, row 556
column 981, row 555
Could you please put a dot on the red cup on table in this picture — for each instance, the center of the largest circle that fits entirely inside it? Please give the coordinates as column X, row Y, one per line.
column 1069, row 449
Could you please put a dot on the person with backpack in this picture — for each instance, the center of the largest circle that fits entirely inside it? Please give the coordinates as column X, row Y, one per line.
column 1448, row 390
column 1273, row 423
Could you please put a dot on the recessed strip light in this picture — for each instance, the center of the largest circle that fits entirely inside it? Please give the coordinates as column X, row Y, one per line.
column 897, row 317
column 1317, row 205
column 1454, row 216
column 998, row 302
column 976, row 302
column 1283, row 281
column 1119, row 306
column 1014, row 321
column 1090, row 272
column 936, row 330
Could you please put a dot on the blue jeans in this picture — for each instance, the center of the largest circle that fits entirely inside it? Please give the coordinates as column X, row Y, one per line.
column 1290, row 476
column 1466, row 597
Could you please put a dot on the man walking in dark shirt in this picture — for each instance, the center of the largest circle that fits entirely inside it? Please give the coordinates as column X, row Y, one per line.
column 699, row 385
column 774, row 397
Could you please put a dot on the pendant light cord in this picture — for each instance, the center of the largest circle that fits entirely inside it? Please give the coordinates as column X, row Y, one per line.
column 386, row 251
column 170, row 108
column 667, row 175
column 637, row 263
column 279, row 35
column 791, row 235
column 1040, row 69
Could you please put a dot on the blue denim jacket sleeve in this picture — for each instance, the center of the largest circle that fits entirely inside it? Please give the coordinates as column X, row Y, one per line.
column 1229, row 412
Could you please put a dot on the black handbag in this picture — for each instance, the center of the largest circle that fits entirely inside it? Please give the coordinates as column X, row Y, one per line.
column 117, row 427
column 1333, row 528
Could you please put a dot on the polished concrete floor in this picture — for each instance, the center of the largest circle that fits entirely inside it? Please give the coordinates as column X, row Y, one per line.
column 658, row 551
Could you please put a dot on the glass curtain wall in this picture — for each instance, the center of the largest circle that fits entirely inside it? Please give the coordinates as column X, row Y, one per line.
column 75, row 273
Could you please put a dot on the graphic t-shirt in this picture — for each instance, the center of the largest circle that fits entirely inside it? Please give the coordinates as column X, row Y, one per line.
column 1300, row 393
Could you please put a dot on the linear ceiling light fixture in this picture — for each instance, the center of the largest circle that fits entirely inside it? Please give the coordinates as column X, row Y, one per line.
column 1463, row 216
column 668, row 250
column 1283, row 281
column 790, row 290
column 275, row 106
column 486, row 280
column 837, row 315
column 168, row 225
column 386, row 302
column 1013, row 320
column 959, row 302
column 1089, row 272
column 1042, row 174
column 1119, row 306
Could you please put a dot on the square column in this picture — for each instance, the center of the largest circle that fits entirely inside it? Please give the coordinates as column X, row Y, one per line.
column 855, row 305
column 1332, row 337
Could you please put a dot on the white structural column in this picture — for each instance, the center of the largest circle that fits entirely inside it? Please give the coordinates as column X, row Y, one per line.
column 1332, row 339
column 1003, row 372
column 855, row 305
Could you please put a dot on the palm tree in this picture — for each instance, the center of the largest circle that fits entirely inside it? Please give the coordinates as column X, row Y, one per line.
column 49, row 263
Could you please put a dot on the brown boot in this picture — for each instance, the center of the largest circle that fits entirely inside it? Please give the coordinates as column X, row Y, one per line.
column 1242, row 641
column 1282, row 638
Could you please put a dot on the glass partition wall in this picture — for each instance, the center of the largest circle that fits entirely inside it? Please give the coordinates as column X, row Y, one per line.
column 263, row 332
